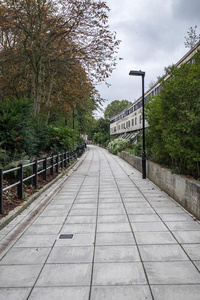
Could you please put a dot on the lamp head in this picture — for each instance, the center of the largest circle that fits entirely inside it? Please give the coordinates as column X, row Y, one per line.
column 137, row 73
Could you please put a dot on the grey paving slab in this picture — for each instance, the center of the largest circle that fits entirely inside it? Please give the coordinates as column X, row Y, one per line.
column 162, row 253
column 19, row 275
column 25, row 256
column 193, row 250
column 111, row 211
column 111, row 205
column 163, row 204
column 116, row 254
column 54, row 213
column 63, row 255
column 113, row 199
column 54, row 275
column 177, row 226
column 81, row 220
column 136, row 292
column 144, row 218
column 36, row 241
column 51, row 206
column 78, row 228
column 118, row 274
column 115, row 239
column 14, row 293
column 85, row 206
column 176, row 292
column 140, row 211
column 175, row 217
column 197, row 263
column 112, row 219
column 43, row 229
column 134, row 205
column 81, row 212
column 169, row 210
column 133, row 199
column 149, row 226
column 155, row 238
column 113, row 227
column 60, row 293
column 50, row 220
column 172, row 273
column 187, row 237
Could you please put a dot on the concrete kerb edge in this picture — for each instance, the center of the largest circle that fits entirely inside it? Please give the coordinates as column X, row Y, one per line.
column 129, row 158
column 17, row 210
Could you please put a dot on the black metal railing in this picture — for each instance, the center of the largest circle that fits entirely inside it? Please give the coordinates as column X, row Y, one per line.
column 52, row 163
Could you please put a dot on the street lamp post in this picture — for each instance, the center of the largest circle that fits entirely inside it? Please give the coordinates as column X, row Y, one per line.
column 141, row 73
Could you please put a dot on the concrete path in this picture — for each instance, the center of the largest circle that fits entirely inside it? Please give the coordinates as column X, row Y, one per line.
column 106, row 234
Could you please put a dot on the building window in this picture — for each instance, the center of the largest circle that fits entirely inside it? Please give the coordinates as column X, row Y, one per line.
column 132, row 122
column 140, row 119
column 135, row 121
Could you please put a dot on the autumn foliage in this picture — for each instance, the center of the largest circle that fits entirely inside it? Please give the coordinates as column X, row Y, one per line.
column 54, row 52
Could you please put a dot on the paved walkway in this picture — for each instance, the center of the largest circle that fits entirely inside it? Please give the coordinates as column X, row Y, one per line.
column 105, row 235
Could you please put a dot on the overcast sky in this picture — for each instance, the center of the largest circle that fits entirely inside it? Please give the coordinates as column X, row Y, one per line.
column 153, row 35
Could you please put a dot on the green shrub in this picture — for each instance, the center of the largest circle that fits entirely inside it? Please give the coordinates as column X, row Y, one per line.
column 101, row 138
column 173, row 136
column 117, row 145
column 62, row 139
column 17, row 133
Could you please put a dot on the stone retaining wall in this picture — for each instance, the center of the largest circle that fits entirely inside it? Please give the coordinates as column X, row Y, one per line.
column 185, row 191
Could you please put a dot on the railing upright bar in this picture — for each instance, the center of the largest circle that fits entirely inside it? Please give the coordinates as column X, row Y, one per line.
column 1, row 191
column 65, row 160
column 45, row 169
column 51, row 170
column 35, row 178
column 20, row 185
column 57, row 167
column 61, row 163
column 68, row 159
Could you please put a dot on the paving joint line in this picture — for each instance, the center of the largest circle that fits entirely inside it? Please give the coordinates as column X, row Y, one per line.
column 131, row 226
column 178, row 205
column 51, row 248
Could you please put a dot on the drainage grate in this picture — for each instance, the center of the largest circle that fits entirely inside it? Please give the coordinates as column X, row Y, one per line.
column 66, row 236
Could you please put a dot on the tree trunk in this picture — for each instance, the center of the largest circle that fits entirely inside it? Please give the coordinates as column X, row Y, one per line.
column 37, row 94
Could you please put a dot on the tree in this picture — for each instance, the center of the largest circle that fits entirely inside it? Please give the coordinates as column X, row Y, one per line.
column 49, row 44
column 116, row 107
column 174, row 125
column 192, row 38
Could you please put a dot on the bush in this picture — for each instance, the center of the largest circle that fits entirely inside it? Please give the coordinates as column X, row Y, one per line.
column 101, row 138
column 135, row 149
column 173, row 136
column 117, row 145
column 62, row 139
column 17, row 133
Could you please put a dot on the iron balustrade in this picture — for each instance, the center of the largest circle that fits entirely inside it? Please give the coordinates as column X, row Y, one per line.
column 41, row 166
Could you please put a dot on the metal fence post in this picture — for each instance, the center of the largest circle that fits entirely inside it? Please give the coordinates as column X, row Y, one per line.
column 65, row 160
column 1, row 191
column 35, row 170
column 61, row 164
column 51, row 170
column 57, row 163
column 45, row 169
column 20, row 185
column 68, row 159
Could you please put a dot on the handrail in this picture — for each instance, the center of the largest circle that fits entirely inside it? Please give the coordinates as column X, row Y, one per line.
column 48, row 163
